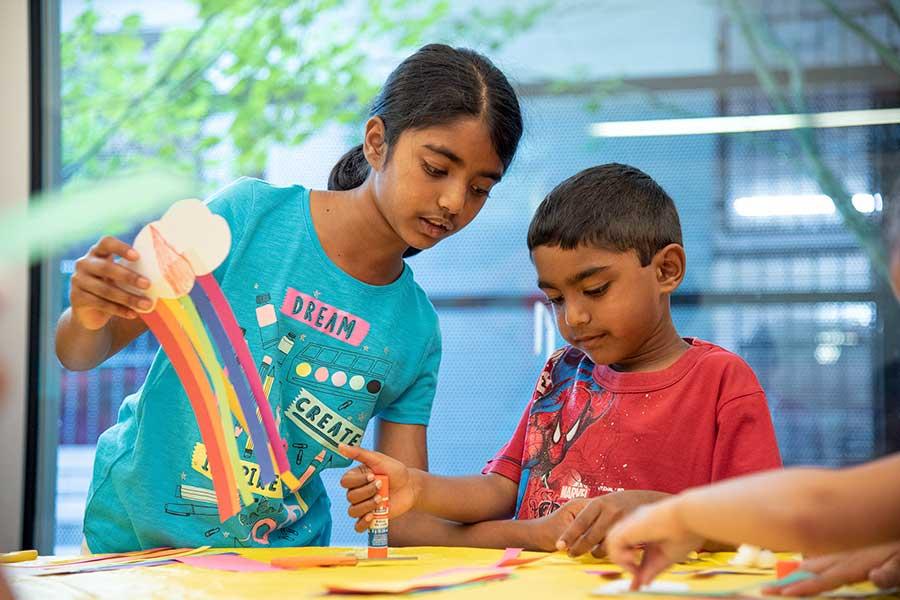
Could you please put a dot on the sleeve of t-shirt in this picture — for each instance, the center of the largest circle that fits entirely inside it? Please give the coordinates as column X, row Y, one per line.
column 508, row 461
column 234, row 203
column 413, row 406
column 745, row 440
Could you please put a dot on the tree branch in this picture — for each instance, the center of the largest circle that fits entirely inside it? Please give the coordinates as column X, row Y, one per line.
column 885, row 52
column 137, row 101
column 865, row 233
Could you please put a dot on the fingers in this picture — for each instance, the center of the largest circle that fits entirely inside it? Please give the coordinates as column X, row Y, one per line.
column 654, row 562
column 373, row 460
column 887, row 575
column 364, row 492
column 99, row 282
column 576, row 530
column 364, row 508
column 109, row 246
column 107, row 291
column 591, row 539
column 363, row 523
column 88, row 300
column 821, row 583
column 357, row 477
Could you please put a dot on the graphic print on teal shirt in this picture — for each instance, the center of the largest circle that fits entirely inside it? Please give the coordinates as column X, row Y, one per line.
column 332, row 352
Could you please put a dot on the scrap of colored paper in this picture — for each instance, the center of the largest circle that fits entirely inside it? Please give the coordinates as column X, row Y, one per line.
column 434, row 581
column 150, row 558
column 227, row 561
column 51, row 222
column 118, row 557
column 623, row 587
column 94, row 568
column 714, row 572
column 677, row 588
column 606, row 574
column 511, row 558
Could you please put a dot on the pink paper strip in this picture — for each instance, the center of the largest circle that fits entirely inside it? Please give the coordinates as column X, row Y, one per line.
column 511, row 558
column 227, row 562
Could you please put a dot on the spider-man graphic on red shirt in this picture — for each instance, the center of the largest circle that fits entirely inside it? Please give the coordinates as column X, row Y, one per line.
column 568, row 401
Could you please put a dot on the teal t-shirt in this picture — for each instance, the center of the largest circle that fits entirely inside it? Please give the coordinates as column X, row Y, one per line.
column 332, row 351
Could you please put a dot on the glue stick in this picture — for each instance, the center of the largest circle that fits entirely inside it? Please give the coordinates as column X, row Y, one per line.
column 378, row 528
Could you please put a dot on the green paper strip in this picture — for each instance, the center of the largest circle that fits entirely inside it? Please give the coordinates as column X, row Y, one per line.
column 54, row 221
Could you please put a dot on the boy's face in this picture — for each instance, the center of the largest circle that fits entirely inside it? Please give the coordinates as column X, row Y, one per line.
column 605, row 302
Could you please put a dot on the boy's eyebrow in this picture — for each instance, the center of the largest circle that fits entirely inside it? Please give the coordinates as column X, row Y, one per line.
column 457, row 160
column 581, row 276
column 585, row 274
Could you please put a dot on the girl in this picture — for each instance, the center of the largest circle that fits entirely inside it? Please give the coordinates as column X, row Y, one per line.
column 331, row 312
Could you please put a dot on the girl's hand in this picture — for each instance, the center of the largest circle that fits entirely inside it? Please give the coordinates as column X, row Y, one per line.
column 96, row 293
column 657, row 530
column 363, row 490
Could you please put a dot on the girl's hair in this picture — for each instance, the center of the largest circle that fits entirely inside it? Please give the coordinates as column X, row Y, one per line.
column 435, row 86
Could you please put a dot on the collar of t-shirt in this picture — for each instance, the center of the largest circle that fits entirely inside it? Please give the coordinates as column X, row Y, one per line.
column 628, row 382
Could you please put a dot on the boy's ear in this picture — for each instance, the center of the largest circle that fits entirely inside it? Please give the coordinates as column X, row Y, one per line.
column 374, row 144
column 669, row 265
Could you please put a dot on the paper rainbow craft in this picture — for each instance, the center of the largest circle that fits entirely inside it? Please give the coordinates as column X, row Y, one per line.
column 197, row 330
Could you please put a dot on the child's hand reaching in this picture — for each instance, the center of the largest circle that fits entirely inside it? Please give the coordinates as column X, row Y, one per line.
column 657, row 530
column 96, row 295
column 879, row 564
column 589, row 528
column 362, row 489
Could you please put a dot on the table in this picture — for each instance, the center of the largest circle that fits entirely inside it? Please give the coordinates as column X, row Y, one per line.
column 553, row 578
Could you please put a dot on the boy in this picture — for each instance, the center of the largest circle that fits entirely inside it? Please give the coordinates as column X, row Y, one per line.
column 852, row 511
column 626, row 414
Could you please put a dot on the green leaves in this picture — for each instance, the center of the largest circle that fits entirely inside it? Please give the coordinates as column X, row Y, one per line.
column 276, row 69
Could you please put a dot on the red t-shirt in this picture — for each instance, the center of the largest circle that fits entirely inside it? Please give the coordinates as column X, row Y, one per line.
column 590, row 430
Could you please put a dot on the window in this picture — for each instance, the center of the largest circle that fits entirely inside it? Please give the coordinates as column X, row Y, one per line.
column 774, row 271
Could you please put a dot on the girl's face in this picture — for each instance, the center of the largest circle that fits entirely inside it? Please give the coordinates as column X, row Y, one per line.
column 436, row 179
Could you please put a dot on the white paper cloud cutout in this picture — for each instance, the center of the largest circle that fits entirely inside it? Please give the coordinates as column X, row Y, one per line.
column 189, row 240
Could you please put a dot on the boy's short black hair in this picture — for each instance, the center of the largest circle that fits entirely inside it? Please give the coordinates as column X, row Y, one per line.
column 614, row 207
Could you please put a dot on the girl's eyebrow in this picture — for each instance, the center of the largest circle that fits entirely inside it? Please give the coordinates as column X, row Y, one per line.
column 457, row 160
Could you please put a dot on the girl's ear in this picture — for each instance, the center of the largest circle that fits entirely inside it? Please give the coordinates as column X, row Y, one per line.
column 374, row 144
column 669, row 264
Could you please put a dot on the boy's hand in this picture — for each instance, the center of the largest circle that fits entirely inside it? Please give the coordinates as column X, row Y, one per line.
column 96, row 295
column 544, row 532
column 658, row 531
column 363, row 491
column 880, row 564
column 589, row 528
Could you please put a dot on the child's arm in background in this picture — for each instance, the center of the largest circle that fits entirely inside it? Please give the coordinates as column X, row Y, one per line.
column 448, row 511
column 472, row 511
column 102, row 318
column 878, row 564
column 461, row 499
column 807, row 510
